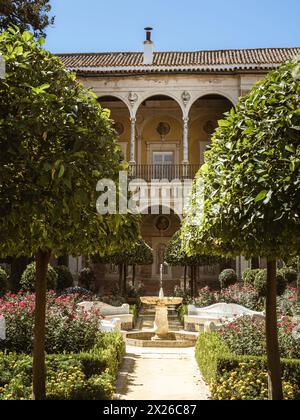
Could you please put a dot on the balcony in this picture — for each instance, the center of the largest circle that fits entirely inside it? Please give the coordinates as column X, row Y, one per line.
column 163, row 172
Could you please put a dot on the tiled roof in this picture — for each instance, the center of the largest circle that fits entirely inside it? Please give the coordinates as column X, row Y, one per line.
column 165, row 62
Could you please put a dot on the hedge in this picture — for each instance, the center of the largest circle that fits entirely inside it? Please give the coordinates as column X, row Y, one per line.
column 74, row 376
column 221, row 368
column 182, row 311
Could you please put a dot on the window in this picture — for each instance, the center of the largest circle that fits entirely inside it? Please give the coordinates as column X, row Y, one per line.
column 162, row 162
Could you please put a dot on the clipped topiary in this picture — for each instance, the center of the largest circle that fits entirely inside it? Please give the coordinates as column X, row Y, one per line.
column 227, row 278
column 289, row 274
column 28, row 278
column 249, row 276
column 86, row 278
column 260, row 283
column 64, row 277
column 3, row 282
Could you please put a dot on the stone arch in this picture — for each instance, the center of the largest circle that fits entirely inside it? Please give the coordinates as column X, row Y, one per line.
column 120, row 115
column 211, row 93
column 203, row 120
column 148, row 95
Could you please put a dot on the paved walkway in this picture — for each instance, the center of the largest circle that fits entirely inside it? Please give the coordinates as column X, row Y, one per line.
column 160, row 374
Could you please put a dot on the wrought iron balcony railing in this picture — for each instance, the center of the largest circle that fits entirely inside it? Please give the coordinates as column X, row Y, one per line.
column 163, row 172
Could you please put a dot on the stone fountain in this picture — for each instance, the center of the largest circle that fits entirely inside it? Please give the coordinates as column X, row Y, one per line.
column 161, row 303
column 161, row 335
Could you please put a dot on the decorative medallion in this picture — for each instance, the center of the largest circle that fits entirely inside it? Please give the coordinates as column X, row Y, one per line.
column 186, row 97
column 163, row 129
column 162, row 223
column 132, row 97
column 209, row 127
column 119, row 127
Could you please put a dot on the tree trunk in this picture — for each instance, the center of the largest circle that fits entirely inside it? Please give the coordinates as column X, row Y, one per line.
column 133, row 274
column 298, row 281
column 121, row 278
column 125, row 280
column 273, row 355
column 39, row 367
column 184, row 278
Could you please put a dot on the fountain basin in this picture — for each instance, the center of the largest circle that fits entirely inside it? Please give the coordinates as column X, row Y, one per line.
column 170, row 340
column 161, row 301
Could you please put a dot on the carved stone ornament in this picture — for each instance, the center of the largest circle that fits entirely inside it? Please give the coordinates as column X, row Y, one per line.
column 163, row 129
column 132, row 97
column 186, row 97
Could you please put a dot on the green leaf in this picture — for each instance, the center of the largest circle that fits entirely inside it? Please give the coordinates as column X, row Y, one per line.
column 261, row 196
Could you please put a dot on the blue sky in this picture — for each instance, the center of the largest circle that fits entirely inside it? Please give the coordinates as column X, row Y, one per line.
column 117, row 25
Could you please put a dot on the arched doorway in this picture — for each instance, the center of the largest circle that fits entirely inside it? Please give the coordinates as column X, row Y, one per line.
column 159, row 128
column 204, row 115
column 121, row 121
column 157, row 230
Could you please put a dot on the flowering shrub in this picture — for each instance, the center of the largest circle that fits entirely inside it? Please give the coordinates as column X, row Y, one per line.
column 206, row 298
column 246, row 336
column 247, row 382
column 242, row 295
column 67, row 327
column 75, row 376
column 233, row 377
column 288, row 304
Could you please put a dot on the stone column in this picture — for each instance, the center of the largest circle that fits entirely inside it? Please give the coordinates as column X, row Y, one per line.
column 132, row 141
column 185, row 140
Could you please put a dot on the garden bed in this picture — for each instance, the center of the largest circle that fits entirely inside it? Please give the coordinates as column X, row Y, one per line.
column 233, row 373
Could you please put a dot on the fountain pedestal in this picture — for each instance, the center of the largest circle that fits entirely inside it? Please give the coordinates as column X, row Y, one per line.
column 161, row 323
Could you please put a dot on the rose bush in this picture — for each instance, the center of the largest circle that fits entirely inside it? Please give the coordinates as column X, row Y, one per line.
column 246, row 336
column 68, row 327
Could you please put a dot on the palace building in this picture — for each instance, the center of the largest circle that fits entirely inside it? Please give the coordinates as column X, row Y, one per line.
column 165, row 107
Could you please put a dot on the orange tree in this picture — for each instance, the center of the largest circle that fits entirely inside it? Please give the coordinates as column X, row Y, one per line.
column 56, row 143
column 136, row 253
column 176, row 256
column 250, row 189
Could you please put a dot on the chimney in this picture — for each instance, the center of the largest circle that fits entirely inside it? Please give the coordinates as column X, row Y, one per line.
column 148, row 47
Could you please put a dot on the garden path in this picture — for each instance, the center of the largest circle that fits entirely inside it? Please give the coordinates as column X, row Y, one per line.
column 160, row 374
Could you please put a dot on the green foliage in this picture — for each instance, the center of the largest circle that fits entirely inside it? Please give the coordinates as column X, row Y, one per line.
column 248, row 276
column 227, row 278
column 56, row 142
column 176, row 256
column 67, row 328
column 289, row 274
column 136, row 253
column 64, row 277
column 247, row 380
column 28, row 278
column 3, row 282
column 240, row 377
column 74, row 376
column 250, row 182
column 182, row 311
column 209, row 348
column 260, row 283
column 87, row 278
column 26, row 14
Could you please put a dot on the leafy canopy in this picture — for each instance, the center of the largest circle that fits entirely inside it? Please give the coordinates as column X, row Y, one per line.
column 26, row 14
column 252, row 175
column 56, row 142
column 176, row 256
